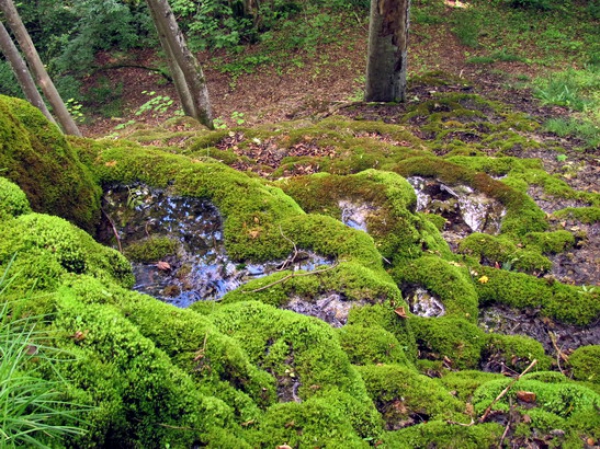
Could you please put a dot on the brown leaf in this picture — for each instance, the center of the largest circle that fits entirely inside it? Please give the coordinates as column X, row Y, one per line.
column 284, row 446
column 163, row 266
column 254, row 233
column 32, row 349
column 401, row 312
column 526, row 396
column 111, row 163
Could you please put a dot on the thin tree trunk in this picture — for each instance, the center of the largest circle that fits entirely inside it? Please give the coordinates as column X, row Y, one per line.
column 21, row 71
column 185, row 97
column 192, row 72
column 388, row 46
column 37, row 67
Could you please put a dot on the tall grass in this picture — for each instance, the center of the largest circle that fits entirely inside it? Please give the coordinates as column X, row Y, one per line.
column 33, row 410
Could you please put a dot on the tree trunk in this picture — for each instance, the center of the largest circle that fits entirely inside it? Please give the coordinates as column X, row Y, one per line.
column 37, row 67
column 185, row 97
column 388, row 46
column 195, row 83
column 21, row 71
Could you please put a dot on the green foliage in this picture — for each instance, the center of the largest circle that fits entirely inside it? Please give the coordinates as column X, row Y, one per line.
column 157, row 105
column 8, row 82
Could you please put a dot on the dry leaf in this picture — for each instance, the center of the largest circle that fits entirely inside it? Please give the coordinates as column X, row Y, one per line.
column 254, row 233
column 483, row 279
column 526, row 396
column 111, row 163
column 163, row 266
column 401, row 312
column 284, row 446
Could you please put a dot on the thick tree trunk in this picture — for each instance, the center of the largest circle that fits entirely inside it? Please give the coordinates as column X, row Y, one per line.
column 388, row 46
column 37, row 67
column 184, row 59
column 21, row 71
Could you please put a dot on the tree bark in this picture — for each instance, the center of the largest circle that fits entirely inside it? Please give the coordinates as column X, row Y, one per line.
column 388, row 51
column 37, row 67
column 185, row 97
column 21, row 71
column 182, row 57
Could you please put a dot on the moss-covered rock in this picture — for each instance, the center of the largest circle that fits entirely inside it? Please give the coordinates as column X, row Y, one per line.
column 371, row 345
column 50, row 248
column 515, row 352
column 36, row 156
column 13, row 201
column 404, row 397
column 454, row 339
column 585, row 362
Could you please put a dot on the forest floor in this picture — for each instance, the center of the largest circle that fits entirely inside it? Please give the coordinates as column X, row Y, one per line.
column 308, row 82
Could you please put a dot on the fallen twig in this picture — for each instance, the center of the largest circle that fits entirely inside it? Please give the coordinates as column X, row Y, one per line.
column 507, row 428
column 114, row 229
column 559, row 354
column 289, row 276
column 506, row 390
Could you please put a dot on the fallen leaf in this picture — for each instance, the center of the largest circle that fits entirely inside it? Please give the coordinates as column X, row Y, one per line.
column 483, row 279
column 254, row 233
column 111, row 163
column 163, row 266
column 526, row 396
column 284, row 446
column 401, row 312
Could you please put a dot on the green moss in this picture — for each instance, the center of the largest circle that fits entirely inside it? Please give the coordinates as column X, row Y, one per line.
column 502, row 251
column 384, row 316
column 516, row 352
column 565, row 303
column 152, row 249
column 332, row 421
column 13, row 201
column 457, row 339
column 371, row 345
column 125, row 374
column 465, row 382
column 449, row 282
column 49, row 248
column 442, row 434
column 563, row 399
column 549, row 242
column 585, row 362
column 586, row 215
column 35, row 155
column 402, row 396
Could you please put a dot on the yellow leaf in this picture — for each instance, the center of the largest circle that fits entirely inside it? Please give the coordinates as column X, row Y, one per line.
column 483, row 280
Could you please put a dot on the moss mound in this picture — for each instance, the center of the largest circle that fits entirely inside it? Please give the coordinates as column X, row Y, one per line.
column 13, row 201
column 34, row 155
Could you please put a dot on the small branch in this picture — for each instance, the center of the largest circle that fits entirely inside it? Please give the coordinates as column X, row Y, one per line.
column 114, row 228
column 293, row 258
column 472, row 423
column 505, row 391
column 507, row 428
column 164, row 74
column 559, row 354
column 289, row 276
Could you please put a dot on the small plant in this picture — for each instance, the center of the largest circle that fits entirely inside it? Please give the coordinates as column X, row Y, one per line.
column 219, row 123
column 561, row 157
column 74, row 108
column 33, row 412
column 157, row 105
column 238, row 117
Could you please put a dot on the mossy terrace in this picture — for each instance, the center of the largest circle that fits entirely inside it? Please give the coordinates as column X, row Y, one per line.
column 241, row 372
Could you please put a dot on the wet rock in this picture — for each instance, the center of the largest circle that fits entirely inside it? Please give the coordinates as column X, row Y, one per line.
column 423, row 303
column 354, row 215
column 465, row 210
column 332, row 308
